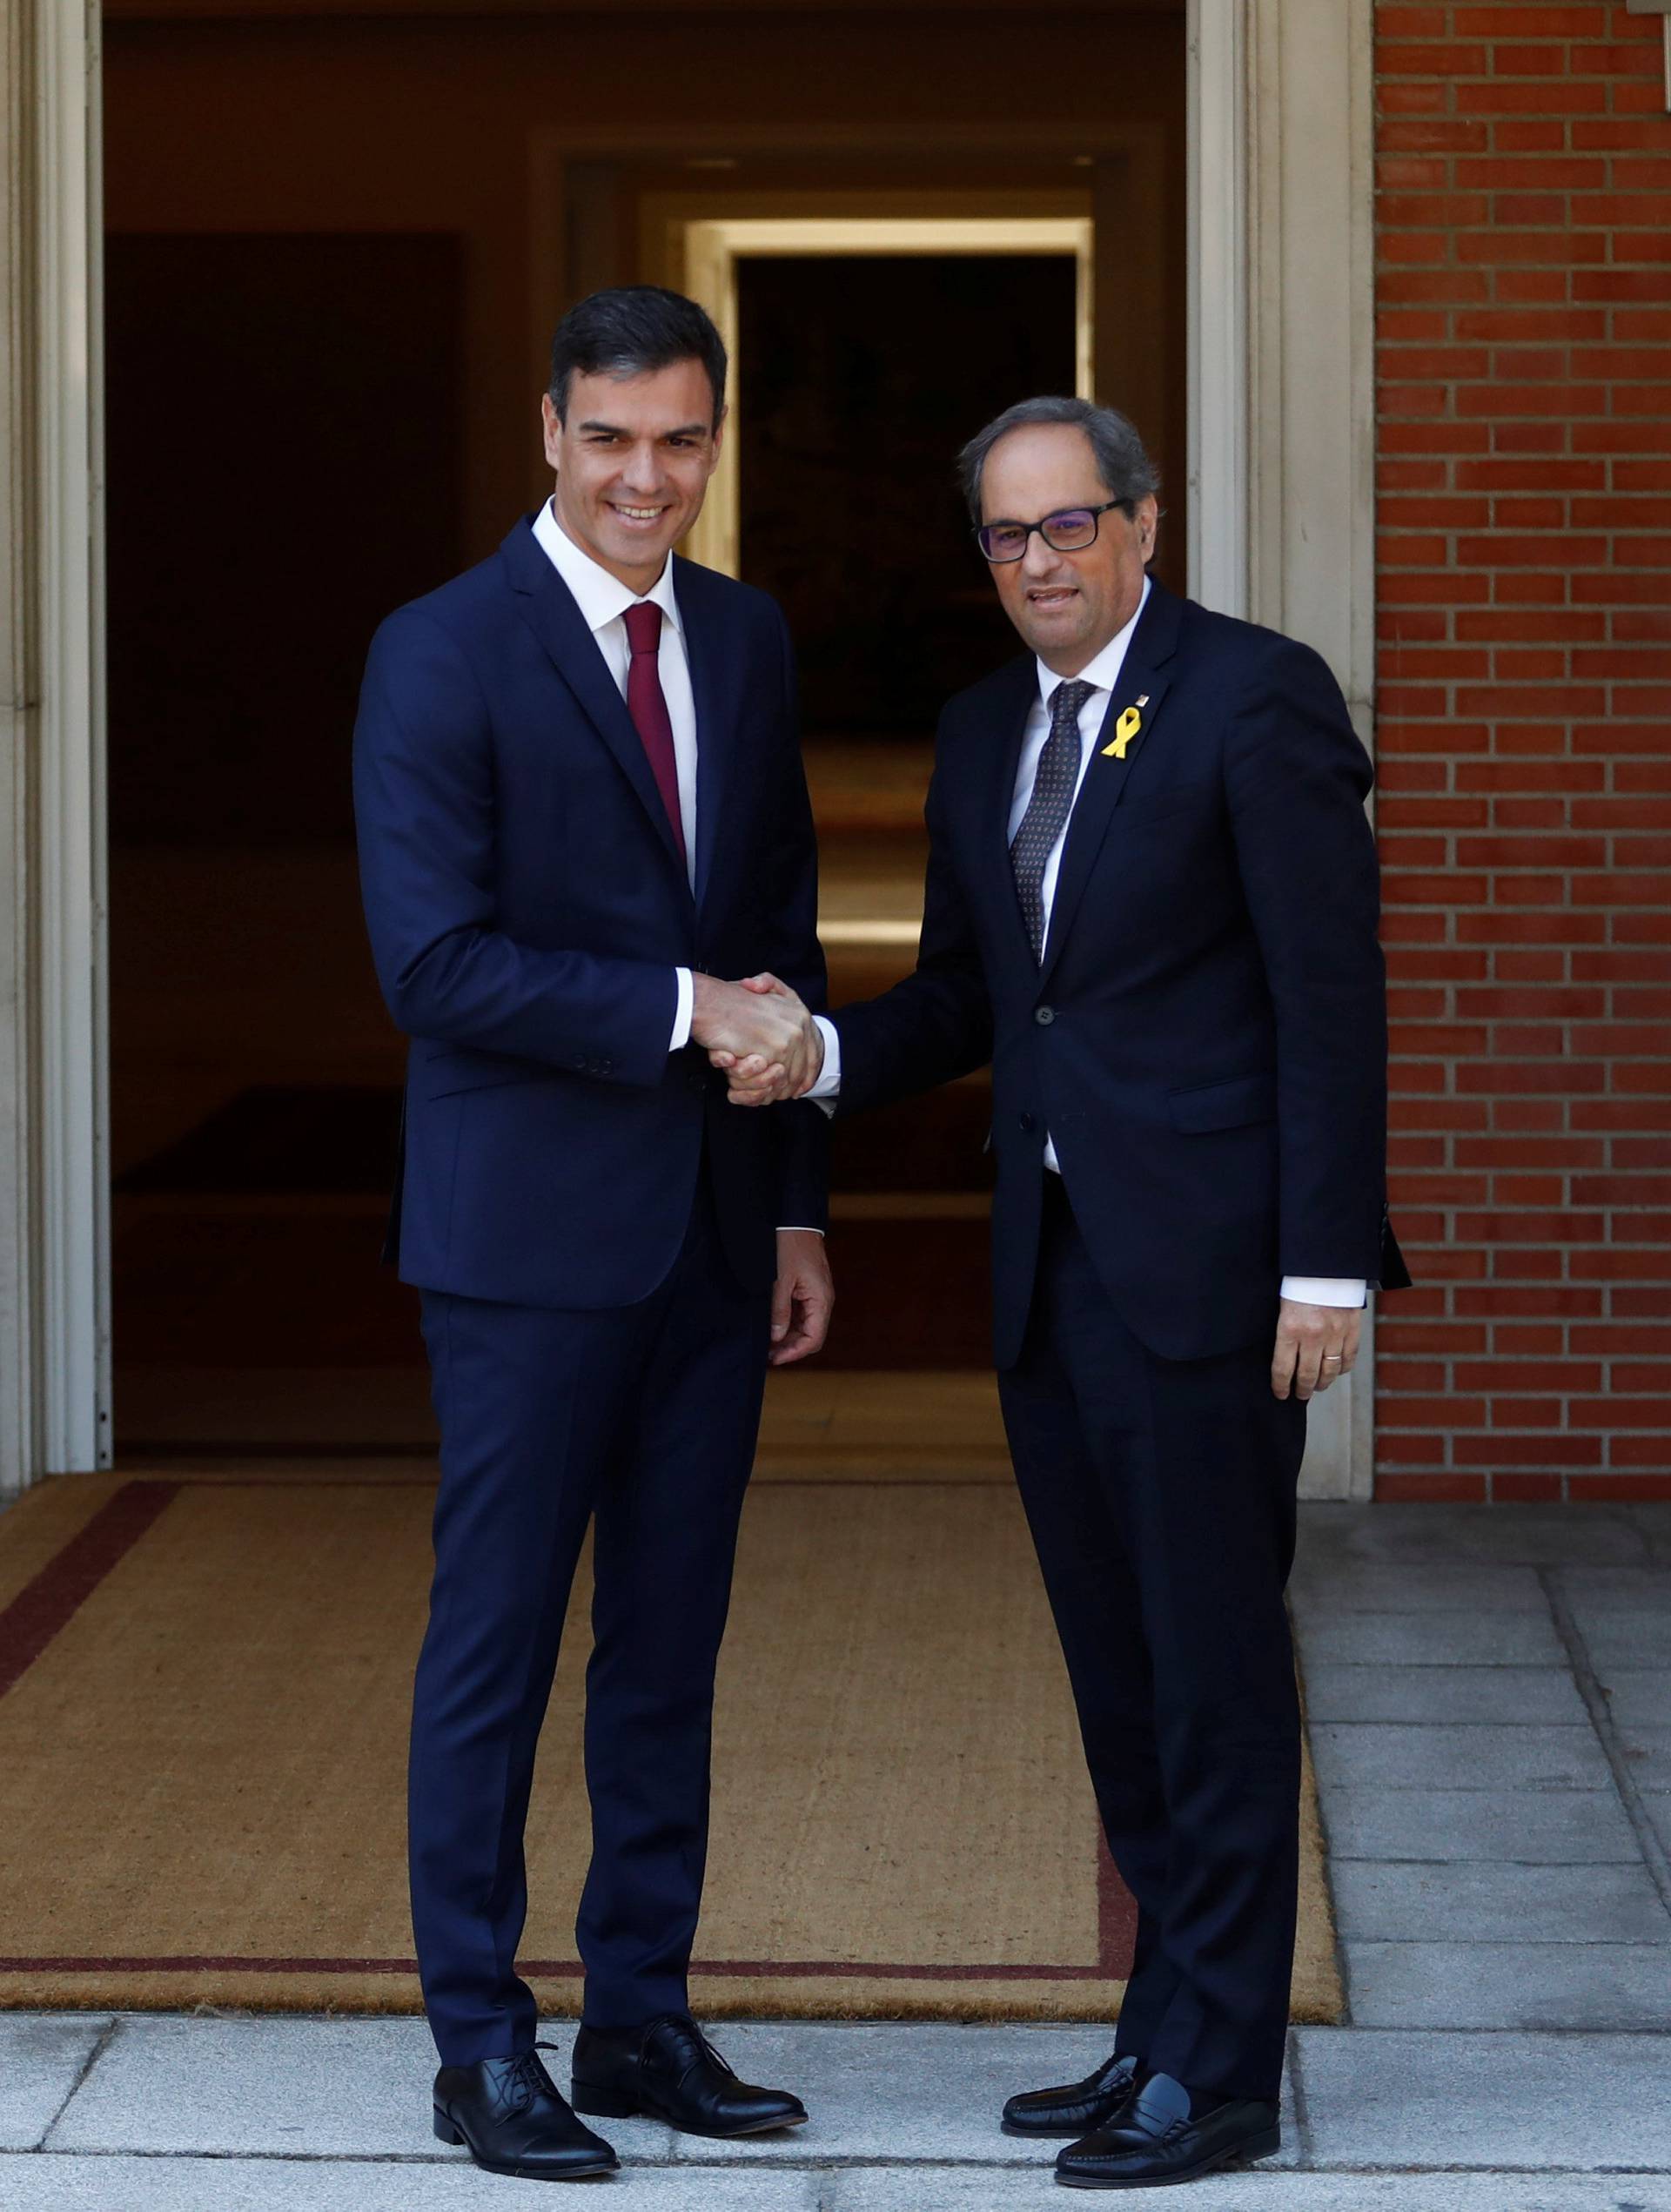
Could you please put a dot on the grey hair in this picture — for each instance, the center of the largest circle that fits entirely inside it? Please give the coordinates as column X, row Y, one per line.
column 1122, row 462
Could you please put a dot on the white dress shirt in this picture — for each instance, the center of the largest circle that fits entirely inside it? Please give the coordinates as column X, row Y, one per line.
column 603, row 601
column 1102, row 673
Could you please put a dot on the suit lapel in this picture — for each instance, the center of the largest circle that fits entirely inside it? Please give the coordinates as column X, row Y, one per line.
column 714, row 689
column 1143, row 676
column 547, row 607
column 1018, row 702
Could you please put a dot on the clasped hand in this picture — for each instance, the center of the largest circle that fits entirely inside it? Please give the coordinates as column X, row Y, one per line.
column 759, row 1033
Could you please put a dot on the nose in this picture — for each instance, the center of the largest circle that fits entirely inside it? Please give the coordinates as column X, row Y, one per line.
column 1040, row 561
column 643, row 472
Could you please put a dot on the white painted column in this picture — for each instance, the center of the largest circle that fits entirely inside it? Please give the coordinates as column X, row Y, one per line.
column 54, row 1209
column 1282, row 394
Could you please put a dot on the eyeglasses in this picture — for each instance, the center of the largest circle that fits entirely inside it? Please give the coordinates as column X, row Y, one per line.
column 1069, row 531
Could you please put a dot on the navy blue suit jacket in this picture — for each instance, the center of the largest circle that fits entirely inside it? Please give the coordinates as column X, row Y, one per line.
column 1205, row 1041
column 527, row 907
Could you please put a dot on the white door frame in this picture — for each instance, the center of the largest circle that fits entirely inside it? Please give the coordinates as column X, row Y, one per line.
column 1281, row 528
column 1282, row 423
column 54, row 1030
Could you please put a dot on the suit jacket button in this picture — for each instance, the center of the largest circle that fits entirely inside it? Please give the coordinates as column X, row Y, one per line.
column 1045, row 1016
column 1028, row 1124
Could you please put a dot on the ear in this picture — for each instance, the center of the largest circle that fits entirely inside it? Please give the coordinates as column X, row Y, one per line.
column 550, row 422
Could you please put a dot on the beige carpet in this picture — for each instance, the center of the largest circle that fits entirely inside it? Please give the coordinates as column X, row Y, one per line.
column 203, row 1696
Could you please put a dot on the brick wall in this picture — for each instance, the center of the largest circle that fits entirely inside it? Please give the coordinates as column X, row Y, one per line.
column 1524, row 296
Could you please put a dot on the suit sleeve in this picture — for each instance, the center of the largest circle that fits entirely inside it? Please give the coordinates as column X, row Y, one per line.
column 1296, row 779
column 936, row 1025
column 424, row 817
column 791, row 950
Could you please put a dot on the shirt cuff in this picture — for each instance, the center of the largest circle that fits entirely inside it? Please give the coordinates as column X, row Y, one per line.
column 1324, row 1290
column 797, row 1228
column 683, row 1011
column 829, row 1075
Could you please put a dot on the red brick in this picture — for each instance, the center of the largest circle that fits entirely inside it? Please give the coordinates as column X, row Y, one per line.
column 1527, row 1490
column 1570, row 96
column 1421, row 134
column 1531, row 287
column 1444, row 57
column 1431, row 1489
column 1518, row 134
column 1394, row 23
column 1594, row 21
column 1533, row 1450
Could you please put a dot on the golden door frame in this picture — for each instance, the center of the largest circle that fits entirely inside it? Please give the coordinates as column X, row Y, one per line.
column 697, row 252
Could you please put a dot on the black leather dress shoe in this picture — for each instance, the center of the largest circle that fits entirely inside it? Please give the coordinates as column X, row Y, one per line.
column 1161, row 2139
column 671, row 2072
column 1077, row 2106
column 509, row 2117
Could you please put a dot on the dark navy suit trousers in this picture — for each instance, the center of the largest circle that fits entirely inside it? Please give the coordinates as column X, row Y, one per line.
column 1161, row 1494
column 641, row 1418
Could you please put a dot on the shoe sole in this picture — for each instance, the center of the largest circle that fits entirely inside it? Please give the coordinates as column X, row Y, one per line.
column 447, row 2133
column 1239, row 2155
column 1043, row 2135
column 609, row 2104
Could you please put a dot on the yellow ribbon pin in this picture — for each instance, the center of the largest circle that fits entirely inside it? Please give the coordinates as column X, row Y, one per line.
column 1124, row 731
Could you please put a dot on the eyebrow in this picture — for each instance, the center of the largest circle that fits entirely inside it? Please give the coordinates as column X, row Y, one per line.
column 680, row 430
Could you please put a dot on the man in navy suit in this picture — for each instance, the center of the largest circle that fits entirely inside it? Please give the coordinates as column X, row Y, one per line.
column 580, row 803
column 1151, row 904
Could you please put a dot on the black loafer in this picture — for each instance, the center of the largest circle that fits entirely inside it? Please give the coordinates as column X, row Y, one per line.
column 1160, row 2140
column 1078, row 2107
column 509, row 2115
column 670, row 2071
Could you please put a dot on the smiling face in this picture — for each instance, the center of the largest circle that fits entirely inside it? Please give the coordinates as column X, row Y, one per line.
column 1067, row 606
column 632, row 457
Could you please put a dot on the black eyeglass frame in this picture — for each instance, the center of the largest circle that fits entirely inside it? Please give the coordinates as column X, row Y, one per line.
column 1003, row 560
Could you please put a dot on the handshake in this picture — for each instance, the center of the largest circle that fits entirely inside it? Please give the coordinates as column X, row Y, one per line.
column 760, row 1034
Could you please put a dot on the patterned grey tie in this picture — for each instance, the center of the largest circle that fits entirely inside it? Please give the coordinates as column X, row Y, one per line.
column 1049, row 807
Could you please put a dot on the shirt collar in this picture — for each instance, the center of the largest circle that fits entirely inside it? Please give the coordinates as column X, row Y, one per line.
column 600, row 597
column 1103, row 673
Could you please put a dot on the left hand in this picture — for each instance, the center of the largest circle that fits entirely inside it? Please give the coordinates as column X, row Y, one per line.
column 1315, row 1346
column 802, row 1296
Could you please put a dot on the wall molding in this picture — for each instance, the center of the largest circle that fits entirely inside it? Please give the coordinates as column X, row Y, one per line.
column 53, row 1212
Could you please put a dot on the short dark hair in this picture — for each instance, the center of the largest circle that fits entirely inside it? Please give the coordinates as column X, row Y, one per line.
column 1123, row 463
column 631, row 330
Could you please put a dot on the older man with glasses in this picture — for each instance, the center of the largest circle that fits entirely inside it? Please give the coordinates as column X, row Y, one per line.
column 1151, row 904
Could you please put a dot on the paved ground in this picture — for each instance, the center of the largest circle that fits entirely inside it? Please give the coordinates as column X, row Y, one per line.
column 1491, row 1707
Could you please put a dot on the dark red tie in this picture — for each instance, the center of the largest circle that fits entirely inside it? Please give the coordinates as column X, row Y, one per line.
column 648, row 706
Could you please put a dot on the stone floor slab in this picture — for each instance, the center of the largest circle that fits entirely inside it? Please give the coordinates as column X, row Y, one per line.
column 1529, row 1986
column 1395, row 1757
column 1647, row 1755
column 1331, row 1586
column 1562, row 1828
column 61, row 2182
column 1497, row 1903
column 1615, row 1589
column 1639, row 1696
column 1504, row 1534
column 41, row 2058
column 1518, row 1696
column 1623, row 1636
column 272, row 2086
column 923, row 2090
column 1260, row 2189
column 1531, row 2101
column 1435, row 1639
column 867, row 2089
